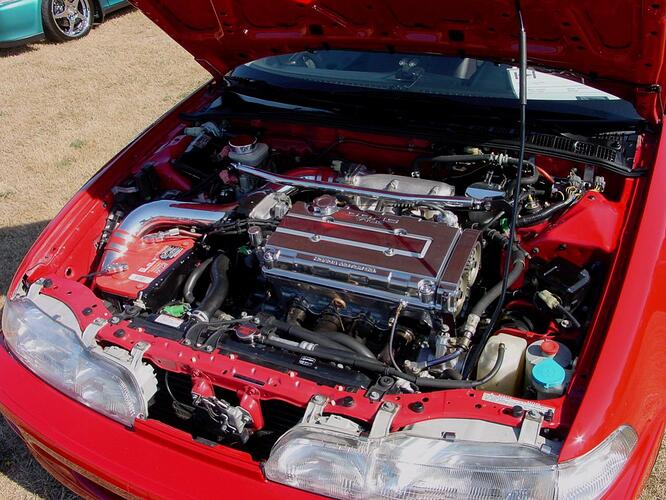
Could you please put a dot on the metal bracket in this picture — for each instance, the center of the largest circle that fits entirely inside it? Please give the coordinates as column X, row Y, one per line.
column 315, row 409
column 137, row 354
column 376, row 391
column 89, row 334
column 381, row 425
column 531, row 427
column 195, row 338
column 35, row 289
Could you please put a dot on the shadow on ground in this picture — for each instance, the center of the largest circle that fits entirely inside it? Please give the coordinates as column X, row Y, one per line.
column 16, row 51
column 14, row 243
column 15, row 461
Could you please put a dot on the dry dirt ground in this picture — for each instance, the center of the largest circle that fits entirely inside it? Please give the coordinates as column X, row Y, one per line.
column 64, row 111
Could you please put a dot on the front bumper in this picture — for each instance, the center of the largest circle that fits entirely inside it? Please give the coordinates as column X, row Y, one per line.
column 97, row 457
column 20, row 23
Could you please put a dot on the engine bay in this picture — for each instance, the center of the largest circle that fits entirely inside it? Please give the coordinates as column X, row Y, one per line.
column 266, row 263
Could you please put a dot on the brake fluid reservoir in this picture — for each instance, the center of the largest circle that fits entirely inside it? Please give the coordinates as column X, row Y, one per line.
column 508, row 379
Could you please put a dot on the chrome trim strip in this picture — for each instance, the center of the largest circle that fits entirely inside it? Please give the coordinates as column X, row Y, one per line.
column 387, row 251
column 334, row 187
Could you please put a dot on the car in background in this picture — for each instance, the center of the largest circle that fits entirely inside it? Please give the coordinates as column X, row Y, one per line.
column 26, row 21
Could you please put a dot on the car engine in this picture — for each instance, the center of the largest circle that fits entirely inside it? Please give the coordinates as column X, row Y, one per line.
column 336, row 269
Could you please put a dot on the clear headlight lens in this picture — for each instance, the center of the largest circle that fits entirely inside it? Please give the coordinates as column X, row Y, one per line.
column 56, row 354
column 411, row 467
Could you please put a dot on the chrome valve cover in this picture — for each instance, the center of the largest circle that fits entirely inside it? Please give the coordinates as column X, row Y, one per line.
column 370, row 261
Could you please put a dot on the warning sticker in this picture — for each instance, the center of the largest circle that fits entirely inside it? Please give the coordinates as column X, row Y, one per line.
column 140, row 278
column 165, row 319
column 504, row 400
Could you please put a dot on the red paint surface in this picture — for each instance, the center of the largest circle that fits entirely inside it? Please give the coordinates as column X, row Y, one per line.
column 618, row 43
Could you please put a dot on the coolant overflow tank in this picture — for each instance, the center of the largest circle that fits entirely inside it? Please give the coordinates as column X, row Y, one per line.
column 508, row 379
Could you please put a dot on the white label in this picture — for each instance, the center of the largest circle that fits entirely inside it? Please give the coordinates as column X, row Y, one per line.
column 165, row 319
column 140, row 278
column 504, row 400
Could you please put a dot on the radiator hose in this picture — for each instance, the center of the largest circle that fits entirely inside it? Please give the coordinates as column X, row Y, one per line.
column 356, row 361
column 193, row 279
column 217, row 291
column 334, row 340
column 545, row 214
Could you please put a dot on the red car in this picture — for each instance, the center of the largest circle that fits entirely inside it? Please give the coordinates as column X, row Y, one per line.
column 375, row 257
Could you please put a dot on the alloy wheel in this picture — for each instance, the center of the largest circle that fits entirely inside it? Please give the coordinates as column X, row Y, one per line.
column 72, row 17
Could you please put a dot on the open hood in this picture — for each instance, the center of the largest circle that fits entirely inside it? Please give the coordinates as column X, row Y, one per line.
column 614, row 45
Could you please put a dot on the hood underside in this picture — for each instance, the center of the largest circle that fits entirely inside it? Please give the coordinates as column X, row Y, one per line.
column 615, row 45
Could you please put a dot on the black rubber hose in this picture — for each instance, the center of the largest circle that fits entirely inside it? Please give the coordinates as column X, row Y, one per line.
column 452, row 374
column 355, row 361
column 524, row 180
column 434, row 383
column 350, row 342
column 454, row 158
column 219, row 287
column 493, row 294
column 193, row 279
column 303, row 333
column 545, row 214
column 335, row 354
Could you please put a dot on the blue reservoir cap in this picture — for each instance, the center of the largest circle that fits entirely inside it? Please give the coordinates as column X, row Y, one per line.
column 548, row 373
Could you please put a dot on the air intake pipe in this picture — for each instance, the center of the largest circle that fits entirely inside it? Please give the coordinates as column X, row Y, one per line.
column 159, row 214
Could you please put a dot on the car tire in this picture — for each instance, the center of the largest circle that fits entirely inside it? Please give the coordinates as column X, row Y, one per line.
column 66, row 20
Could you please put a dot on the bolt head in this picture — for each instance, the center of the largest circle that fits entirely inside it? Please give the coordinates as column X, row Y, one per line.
column 347, row 402
column 417, row 407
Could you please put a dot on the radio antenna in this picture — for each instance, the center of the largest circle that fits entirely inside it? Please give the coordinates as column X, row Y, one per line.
column 522, row 98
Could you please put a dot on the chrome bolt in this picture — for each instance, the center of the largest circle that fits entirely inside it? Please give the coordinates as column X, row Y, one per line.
column 426, row 289
column 388, row 406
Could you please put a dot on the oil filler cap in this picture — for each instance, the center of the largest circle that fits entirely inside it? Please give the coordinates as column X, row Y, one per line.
column 548, row 373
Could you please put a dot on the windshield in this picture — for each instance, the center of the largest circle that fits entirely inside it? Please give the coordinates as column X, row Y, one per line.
column 425, row 74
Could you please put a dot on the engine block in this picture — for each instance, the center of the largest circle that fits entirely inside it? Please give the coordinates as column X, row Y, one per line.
column 370, row 260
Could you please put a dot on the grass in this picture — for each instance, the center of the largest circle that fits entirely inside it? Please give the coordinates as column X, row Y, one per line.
column 60, row 122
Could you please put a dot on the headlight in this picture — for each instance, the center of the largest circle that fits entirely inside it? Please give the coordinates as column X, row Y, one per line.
column 404, row 466
column 55, row 353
